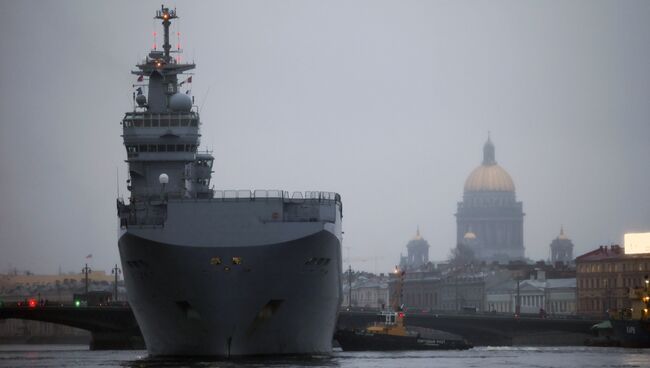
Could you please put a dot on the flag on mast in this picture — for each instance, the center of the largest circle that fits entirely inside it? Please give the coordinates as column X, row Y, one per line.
column 89, row 256
column 188, row 80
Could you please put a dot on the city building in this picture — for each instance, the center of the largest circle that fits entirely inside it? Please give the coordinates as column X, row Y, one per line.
column 604, row 277
column 561, row 249
column 443, row 289
column 490, row 219
column 537, row 293
column 367, row 293
column 417, row 253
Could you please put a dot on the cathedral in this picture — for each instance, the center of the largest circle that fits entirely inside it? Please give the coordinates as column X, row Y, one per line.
column 489, row 220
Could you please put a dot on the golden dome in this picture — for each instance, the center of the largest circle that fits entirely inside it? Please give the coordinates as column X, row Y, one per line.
column 489, row 178
column 469, row 235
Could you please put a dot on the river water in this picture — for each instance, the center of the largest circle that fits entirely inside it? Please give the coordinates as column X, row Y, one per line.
column 483, row 357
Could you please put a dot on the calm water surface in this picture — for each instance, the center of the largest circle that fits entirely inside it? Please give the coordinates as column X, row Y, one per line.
column 483, row 357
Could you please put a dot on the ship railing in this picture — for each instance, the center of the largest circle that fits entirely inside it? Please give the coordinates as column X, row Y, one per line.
column 247, row 195
column 285, row 196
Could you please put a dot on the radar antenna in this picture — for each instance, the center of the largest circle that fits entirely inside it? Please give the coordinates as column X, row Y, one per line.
column 166, row 15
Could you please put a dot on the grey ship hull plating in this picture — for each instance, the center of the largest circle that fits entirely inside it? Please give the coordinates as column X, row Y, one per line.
column 271, row 303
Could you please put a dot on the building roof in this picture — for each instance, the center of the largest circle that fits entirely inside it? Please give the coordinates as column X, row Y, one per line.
column 418, row 241
column 608, row 253
column 561, row 283
column 489, row 176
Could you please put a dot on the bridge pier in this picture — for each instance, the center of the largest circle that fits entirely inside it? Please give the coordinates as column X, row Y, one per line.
column 112, row 340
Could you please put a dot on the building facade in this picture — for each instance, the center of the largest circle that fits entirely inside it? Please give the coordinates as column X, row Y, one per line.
column 491, row 213
column 604, row 277
column 367, row 293
column 553, row 296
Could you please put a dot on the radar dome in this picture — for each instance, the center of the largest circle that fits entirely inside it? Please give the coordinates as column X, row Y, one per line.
column 180, row 102
column 141, row 100
column 163, row 178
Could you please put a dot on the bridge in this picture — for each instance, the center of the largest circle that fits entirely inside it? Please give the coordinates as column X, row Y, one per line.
column 113, row 327
column 487, row 329
column 110, row 327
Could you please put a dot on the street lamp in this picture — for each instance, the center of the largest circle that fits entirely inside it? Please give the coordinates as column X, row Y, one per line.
column 86, row 271
column 116, row 271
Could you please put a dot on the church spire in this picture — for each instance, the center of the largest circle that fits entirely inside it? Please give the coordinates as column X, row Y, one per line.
column 488, row 152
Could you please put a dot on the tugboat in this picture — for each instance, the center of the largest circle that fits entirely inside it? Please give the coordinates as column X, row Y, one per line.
column 631, row 326
column 391, row 334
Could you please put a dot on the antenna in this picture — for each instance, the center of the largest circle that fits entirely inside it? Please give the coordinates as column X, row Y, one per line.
column 166, row 15
column 204, row 98
column 117, row 179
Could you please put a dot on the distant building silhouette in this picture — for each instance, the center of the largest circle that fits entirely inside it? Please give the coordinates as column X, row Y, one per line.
column 417, row 253
column 489, row 219
column 561, row 249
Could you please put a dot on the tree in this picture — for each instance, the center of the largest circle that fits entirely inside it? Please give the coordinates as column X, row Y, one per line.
column 462, row 256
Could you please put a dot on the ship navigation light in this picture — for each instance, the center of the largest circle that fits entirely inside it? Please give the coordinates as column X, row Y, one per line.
column 31, row 303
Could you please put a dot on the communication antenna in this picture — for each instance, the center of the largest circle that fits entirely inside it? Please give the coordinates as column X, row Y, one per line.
column 178, row 41
column 205, row 97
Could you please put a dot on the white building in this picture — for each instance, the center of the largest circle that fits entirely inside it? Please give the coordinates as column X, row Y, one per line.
column 367, row 293
column 554, row 296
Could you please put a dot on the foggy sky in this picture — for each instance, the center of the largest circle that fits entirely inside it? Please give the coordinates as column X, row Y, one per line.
column 386, row 102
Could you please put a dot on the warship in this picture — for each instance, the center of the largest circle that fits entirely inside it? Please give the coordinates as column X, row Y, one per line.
column 217, row 272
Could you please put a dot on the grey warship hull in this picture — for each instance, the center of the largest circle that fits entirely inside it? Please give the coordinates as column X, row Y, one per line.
column 271, row 303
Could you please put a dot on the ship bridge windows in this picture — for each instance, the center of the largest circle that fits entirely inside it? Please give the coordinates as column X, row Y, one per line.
column 164, row 121
column 161, row 148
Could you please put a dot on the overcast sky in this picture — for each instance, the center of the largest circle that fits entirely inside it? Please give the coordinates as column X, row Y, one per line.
column 386, row 102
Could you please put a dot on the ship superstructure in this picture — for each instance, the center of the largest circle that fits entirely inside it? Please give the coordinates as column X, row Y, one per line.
column 218, row 272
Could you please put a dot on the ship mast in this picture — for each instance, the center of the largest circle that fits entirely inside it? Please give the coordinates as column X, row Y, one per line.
column 166, row 15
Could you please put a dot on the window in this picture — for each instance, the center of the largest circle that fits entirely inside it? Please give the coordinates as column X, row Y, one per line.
column 236, row 260
column 215, row 261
